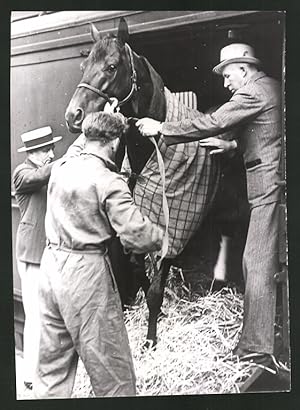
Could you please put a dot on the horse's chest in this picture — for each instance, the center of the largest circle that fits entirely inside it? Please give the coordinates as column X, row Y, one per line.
column 139, row 150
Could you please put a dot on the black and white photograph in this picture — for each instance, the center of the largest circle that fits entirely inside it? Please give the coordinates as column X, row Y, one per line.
column 149, row 203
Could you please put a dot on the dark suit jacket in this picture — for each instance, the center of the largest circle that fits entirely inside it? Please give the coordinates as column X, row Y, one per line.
column 30, row 184
column 256, row 107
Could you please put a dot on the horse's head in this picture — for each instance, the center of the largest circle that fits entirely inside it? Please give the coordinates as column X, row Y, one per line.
column 107, row 72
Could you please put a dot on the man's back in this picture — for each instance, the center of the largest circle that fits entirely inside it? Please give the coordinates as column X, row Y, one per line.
column 262, row 132
column 88, row 201
column 260, row 139
column 30, row 185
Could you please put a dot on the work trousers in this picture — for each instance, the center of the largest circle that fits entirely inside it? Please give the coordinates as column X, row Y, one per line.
column 260, row 263
column 81, row 315
column 29, row 274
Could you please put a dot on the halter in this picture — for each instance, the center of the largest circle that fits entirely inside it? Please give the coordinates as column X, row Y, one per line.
column 133, row 84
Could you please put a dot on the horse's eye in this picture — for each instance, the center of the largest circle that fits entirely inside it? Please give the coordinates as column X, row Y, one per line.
column 111, row 68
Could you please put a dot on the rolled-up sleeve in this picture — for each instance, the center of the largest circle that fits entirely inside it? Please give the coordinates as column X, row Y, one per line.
column 136, row 232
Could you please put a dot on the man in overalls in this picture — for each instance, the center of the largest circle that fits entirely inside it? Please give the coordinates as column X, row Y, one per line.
column 81, row 313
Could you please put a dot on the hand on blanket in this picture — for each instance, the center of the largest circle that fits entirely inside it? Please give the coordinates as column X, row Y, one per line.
column 217, row 145
column 149, row 127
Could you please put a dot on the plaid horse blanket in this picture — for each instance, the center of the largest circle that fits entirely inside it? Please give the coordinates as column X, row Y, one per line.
column 191, row 177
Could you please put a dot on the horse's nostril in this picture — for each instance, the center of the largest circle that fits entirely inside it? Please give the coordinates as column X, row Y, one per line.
column 74, row 119
column 78, row 116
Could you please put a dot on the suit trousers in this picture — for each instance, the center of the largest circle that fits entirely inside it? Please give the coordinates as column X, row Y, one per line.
column 260, row 263
column 29, row 274
column 81, row 315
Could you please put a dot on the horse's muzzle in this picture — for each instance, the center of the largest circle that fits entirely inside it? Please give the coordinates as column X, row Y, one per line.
column 74, row 119
column 72, row 128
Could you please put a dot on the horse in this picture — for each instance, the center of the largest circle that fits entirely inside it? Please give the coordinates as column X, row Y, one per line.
column 113, row 71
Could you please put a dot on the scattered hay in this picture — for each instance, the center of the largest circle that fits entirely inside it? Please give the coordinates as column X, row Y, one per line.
column 82, row 386
column 195, row 338
column 196, row 335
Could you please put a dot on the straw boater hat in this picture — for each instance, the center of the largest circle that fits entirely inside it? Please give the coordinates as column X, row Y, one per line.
column 236, row 53
column 38, row 138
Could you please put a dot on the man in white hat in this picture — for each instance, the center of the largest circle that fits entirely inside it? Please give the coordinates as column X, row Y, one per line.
column 255, row 106
column 30, row 181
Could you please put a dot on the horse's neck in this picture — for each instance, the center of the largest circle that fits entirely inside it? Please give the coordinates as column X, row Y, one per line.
column 149, row 100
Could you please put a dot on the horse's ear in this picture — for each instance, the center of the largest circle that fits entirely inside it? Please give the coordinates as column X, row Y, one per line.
column 123, row 34
column 94, row 33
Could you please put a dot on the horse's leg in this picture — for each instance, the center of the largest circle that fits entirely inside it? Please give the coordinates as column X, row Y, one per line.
column 139, row 270
column 154, row 300
column 220, row 268
column 129, row 271
column 122, row 271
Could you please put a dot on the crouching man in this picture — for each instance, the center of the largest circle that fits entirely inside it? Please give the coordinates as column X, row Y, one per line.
column 80, row 308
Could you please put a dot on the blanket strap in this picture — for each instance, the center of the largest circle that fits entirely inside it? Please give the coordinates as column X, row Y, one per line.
column 161, row 166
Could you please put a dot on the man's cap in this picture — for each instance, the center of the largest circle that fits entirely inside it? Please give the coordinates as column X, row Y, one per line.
column 37, row 138
column 236, row 53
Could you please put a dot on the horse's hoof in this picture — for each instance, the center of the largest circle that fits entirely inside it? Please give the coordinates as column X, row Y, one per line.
column 149, row 344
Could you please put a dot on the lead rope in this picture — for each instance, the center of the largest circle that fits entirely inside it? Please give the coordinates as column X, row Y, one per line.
column 165, row 241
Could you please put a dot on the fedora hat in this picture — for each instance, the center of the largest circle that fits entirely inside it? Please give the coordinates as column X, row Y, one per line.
column 236, row 53
column 38, row 138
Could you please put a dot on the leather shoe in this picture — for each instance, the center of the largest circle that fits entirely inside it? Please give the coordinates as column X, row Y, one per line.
column 254, row 357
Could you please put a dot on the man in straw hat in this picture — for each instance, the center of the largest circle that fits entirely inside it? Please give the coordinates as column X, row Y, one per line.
column 255, row 106
column 30, row 181
column 80, row 308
